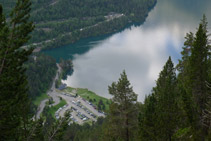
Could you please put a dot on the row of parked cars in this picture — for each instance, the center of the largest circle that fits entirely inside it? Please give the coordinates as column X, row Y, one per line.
column 80, row 115
column 73, row 119
column 69, row 95
column 57, row 112
column 93, row 106
column 78, row 103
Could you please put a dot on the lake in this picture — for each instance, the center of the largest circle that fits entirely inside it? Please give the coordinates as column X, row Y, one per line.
column 141, row 51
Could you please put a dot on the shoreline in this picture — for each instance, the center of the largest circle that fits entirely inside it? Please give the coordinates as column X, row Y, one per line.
column 116, row 24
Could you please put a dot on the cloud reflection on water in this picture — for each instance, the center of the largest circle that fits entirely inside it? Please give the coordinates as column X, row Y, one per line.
column 141, row 51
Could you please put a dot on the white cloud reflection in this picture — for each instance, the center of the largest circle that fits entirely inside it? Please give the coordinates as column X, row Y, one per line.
column 141, row 52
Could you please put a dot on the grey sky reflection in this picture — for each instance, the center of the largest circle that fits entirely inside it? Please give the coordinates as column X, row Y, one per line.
column 141, row 51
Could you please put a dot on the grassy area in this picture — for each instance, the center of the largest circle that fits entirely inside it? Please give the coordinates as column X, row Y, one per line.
column 53, row 109
column 90, row 96
column 40, row 98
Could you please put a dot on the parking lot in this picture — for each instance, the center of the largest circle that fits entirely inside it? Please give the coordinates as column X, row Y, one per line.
column 81, row 110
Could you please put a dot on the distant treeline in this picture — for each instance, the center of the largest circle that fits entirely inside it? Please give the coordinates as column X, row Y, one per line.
column 66, row 21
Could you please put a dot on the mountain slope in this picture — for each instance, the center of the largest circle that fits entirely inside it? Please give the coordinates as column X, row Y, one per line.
column 60, row 22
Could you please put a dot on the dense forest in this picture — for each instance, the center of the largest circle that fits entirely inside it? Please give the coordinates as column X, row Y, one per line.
column 60, row 22
column 178, row 108
column 40, row 71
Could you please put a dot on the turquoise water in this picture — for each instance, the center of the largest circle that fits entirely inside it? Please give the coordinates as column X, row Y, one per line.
column 141, row 51
column 78, row 48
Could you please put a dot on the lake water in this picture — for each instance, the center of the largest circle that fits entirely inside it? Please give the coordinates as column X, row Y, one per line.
column 140, row 51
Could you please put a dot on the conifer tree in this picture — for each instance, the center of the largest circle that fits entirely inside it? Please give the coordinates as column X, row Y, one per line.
column 14, row 33
column 193, row 79
column 56, row 131
column 198, row 75
column 166, row 102
column 36, row 130
column 123, row 110
column 148, row 119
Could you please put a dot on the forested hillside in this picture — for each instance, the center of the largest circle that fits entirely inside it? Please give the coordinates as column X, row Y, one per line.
column 60, row 22
column 40, row 71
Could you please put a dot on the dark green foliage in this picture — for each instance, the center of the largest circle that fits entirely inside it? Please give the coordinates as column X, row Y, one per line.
column 67, row 68
column 194, row 80
column 65, row 27
column 92, row 31
column 57, row 129
column 37, row 131
column 147, row 119
column 48, row 130
column 160, row 109
column 101, row 106
column 122, row 119
column 86, row 132
column 14, row 102
column 40, row 70
column 166, row 100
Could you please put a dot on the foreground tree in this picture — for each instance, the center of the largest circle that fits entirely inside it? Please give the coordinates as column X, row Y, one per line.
column 57, row 129
column 14, row 33
column 148, row 119
column 194, row 78
column 167, row 109
column 158, row 119
column 198, row 77
column 123, row 110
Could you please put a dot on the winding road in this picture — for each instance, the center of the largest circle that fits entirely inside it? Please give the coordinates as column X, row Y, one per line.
column 85, row 109
column 51, row 93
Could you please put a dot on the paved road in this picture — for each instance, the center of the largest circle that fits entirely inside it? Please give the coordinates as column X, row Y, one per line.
column 41, row 108
column 52, row 93
column 71, row 104
column 85, row 109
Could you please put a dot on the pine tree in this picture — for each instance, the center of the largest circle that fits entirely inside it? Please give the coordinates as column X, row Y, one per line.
column 13, row 83
column 166, row 102
column 198, row 75
column 183, row 76
column 36, row 130
column 193, row 78
column 57, row 130
column 148, row 119
column 123, row 110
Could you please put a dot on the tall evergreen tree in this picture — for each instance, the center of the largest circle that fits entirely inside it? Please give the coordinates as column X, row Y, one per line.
column 148, row 119
column 14, row 33
column 166, row 102
column 193, row 78
column 123, row 110
column 56, row 131
column 198, row 72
